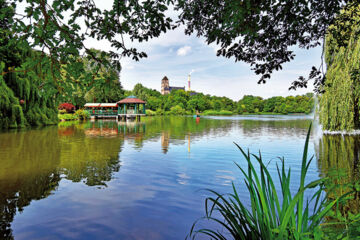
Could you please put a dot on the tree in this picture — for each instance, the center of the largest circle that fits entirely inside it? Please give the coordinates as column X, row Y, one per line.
column 23, row 100
column 43, row 26
column 271, row 103
column 259, row 32
column 339, row 105
column 262, row 32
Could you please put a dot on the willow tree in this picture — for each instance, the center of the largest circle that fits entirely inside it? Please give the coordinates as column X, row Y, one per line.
column 339, row 104
column 23, row 100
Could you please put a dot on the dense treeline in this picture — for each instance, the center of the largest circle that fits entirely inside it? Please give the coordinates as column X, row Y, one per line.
column 182, row 102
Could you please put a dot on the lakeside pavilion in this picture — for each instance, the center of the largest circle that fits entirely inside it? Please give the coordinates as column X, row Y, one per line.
column 131, row 108
column 128, row 109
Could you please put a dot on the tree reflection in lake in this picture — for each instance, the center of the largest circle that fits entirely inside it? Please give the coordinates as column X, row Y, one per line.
column 33, row 161
column 28, row 171
column 338, row 159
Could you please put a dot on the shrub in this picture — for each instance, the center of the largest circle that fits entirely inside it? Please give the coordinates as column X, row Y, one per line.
column 82, row 114
column 159, row 111
column 213, row 112
column 177, row 110
column 150, row 112
column 67, row 117
column 67, row 106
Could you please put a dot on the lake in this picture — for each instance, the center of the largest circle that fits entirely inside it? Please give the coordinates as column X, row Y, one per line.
column 109, row 180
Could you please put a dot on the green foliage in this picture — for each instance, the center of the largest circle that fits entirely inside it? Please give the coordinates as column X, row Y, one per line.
column 260, row 33
column 270, row 216
column 24, row 75
column 290, row 104
column 213, row 112
column 150, row 112
column 63, row 111
column 42, row 26
column 241, row 28
column 67, row 117
column 38, row 108
column 159, row 111
column 177, row 110
column 339, row 105
column 81, row 114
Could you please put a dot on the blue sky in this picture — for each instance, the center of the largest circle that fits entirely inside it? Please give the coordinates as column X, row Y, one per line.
column 176, row 55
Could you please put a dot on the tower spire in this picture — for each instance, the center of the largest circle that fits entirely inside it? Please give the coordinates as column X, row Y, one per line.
column 189, row 82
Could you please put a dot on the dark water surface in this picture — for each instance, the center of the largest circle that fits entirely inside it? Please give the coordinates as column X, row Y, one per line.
column 104, row 180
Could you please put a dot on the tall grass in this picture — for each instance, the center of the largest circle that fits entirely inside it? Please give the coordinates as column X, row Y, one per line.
column 272, row 214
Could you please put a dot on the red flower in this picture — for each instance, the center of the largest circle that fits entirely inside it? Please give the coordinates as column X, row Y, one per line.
column 22, row 101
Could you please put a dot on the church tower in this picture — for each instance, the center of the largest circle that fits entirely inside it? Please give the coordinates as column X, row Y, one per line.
column 165, row 88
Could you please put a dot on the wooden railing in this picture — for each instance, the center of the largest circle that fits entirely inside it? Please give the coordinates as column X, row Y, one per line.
column 106, row 112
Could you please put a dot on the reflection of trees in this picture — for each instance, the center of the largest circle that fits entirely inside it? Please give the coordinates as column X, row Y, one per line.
column 33, row 161
column 89, row 157
column 28, row 172
column 275, row 127
column 338, row 159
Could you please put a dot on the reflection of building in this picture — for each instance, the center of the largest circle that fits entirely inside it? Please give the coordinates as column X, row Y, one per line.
column 111, row 129
column 189, row 142
column 166, row 88
column 165, row 140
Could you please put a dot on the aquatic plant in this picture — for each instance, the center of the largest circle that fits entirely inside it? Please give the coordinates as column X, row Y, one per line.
column 271, row 215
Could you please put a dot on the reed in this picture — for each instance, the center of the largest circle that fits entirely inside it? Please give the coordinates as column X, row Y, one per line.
column 272, row 214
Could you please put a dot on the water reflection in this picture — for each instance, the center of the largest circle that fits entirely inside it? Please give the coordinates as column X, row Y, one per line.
column 141, row 172
column 28, row 172
column 338, row 159
column 165, row 140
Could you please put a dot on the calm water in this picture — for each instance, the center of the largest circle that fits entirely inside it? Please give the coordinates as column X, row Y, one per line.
column 103, row 180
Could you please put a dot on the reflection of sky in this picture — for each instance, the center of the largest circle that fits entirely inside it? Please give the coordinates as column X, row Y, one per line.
column 157, row 195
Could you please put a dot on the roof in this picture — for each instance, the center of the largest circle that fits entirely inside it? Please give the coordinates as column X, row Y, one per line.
column 176, row 88
column 131, row 99
column 92, row 105
column 165, row 78
column 108, row 105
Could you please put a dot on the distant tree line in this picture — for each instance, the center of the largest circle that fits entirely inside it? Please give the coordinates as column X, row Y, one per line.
column 182, row 102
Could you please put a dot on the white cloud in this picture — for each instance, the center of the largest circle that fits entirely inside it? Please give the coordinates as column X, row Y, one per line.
column 183, row 51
